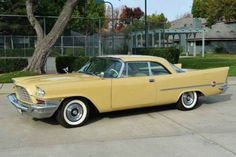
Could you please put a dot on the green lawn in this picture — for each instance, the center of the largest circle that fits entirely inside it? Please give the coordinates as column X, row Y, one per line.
column 7, row 77
column 211, row 61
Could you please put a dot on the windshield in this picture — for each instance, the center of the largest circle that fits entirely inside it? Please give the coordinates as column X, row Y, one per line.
column 110, row 67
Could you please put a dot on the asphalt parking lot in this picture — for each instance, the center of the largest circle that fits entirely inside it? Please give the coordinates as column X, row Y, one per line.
column 209, row 130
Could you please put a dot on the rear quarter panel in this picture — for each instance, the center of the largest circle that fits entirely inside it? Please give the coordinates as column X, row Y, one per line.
column 171, row 87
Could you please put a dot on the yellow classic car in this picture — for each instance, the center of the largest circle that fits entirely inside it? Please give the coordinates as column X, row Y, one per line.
column 111, row 83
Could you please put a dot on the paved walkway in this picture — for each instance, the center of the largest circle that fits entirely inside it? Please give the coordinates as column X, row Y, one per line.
column 6, row 88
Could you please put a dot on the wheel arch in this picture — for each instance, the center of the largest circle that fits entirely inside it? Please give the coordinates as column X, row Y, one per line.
column 90, row 103
column 199, row 93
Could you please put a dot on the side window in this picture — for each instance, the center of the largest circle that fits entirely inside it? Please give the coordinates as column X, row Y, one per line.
column 113, row 70
column 158, row 69
column 136, row 69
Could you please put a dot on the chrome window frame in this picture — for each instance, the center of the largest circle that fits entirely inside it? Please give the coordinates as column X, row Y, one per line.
column 116, row 59
column 125, row 63
column 121, row 69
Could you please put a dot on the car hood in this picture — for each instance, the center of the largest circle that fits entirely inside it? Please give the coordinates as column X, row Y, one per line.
column 52, row 79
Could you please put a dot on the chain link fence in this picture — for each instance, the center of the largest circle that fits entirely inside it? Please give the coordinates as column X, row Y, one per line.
column 82, row 37
column 93, row 45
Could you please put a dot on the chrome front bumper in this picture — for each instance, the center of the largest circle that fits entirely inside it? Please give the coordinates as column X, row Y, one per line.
column 37, row 111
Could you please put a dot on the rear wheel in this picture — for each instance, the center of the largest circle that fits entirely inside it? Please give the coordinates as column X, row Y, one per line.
column 187, row 101
column 73, row 113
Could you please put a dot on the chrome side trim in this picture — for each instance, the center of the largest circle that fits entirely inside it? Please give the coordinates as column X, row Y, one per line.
column 167, row 89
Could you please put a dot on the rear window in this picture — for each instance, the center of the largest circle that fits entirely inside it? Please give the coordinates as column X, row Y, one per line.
column 177, row 69
column 158, row 69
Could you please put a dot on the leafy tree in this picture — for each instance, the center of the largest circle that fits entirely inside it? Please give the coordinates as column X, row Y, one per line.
column 221, row 10
column 14, row 25
column 214, row 11
column 158, row 21
column 198, row 8
column 137, row 25
column 45, row 42
column 129, row 14
column 137, row 13
column 92, row 18
column 65, row 9
column 21, row 26
column 155, row 21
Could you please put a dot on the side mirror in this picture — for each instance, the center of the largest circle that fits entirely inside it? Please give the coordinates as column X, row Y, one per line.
column 101, row 75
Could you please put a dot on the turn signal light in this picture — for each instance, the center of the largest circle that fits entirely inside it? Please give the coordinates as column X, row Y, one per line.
column 40, row 101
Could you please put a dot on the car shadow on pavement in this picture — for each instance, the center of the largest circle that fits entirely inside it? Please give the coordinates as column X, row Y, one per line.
column 215, row 99
column 94, row 116
column 131, row 112
column 52, row 120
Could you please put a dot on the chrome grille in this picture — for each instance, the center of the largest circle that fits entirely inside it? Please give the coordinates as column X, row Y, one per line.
column 23, row 94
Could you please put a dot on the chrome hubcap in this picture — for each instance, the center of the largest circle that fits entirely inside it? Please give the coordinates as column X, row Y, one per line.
column 74, row 112
column 188, row 98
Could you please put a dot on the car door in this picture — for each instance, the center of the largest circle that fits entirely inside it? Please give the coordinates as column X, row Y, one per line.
column 164, row 79
column 135, row 88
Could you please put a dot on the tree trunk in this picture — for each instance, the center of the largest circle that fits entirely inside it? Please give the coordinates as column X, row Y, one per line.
column 45, row 42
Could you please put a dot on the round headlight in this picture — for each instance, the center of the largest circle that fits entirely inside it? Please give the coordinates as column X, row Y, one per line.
column 39, row 92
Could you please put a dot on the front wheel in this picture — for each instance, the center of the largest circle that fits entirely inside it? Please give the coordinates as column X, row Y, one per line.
column 73, row 113
column 187, row 101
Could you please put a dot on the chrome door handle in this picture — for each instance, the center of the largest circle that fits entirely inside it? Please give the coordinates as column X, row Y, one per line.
column 151, row 80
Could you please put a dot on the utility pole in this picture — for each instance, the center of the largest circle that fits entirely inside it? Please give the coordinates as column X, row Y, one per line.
column 112, row 21
column 146, row 28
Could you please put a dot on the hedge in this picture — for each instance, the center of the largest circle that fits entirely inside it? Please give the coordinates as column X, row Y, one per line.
column 171, row 53
column 73, row 63
column 18, row 52
column 8, row 65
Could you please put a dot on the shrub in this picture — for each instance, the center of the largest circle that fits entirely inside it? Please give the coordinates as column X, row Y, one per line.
column 8, row 65
column 18, row 52
column 220, row 50
column 171, row 53
column 77, row 52
column 73, row 63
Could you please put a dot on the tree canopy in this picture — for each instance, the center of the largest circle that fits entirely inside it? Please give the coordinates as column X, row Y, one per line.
column 215, row 10
column 132, row 19
column 92, row 17
column 20, row 26
column 14, row 25
column 158, row 21
column 155, row 21
column 129, row 14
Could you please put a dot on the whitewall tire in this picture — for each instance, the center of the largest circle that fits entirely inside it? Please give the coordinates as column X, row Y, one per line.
column 73, row 113
column 187, row 101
